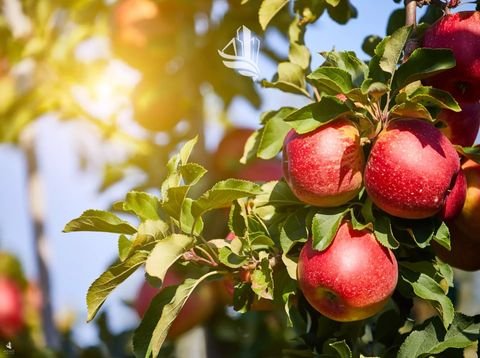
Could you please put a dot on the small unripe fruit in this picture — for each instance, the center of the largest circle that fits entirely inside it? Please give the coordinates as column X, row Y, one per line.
column 11, row 308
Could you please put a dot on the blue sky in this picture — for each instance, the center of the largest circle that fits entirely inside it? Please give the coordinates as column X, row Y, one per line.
column 77, row 259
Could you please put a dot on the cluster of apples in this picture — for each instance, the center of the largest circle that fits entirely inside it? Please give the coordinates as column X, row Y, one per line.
column 412, row 171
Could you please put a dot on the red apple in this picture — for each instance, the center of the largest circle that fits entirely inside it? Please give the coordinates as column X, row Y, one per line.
column 196, row 310
column 459, row 32
column 261, row 171
column 11, row 308
column 411, row 169
column 146, row 26
column 324, row 167
column 456, row 198
column 461, row 127
column 352, row 279
column 226, row 159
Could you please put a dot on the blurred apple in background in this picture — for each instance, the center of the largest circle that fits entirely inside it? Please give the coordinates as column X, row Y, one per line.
column 226, row 159
column 159, row 105
column 11, row 308
column 461, row 127
column 198, row 308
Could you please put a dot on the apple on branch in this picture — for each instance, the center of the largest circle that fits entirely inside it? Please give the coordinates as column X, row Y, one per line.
column 459, row 32
column 11, row 308
column 350, row 280
column 412, row 169
column 324, row 167
column 461, row 128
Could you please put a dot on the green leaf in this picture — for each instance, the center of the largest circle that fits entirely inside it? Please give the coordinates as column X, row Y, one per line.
column 340, row 349
column 427, row 288
column 391, row 50
column 262, row 279
column 100, row 221
column 410, row 110
column 144, row 205
column 274, row 133
column 237, row 219
column 230, row 259
column 173, row 201
column 293, row 231
column 325, row 227
column 189, row 223
column 278, row 194
column 423, row 231
column 165, row 253
column 429, row 96
column 383, row 232
column 442, row 235
column 157, row 229
column 423, row 63
column 331, row 80
column 432, row 338
column 312, row 116
column 259, row 241
column 192, row 173
column 186, row 150
column 124, row 246
column 152, row 332
column 472, row 153
column 222, row 194
column 342, row 12
column 347, row 61
column 268, row 10
column 291, row 78
column 110, row 279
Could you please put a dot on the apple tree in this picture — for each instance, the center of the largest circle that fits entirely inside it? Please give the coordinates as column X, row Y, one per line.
column 379, row 198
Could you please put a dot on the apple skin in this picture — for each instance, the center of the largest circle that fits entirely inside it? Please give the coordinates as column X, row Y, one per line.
column 352, row 279
column 11, row 308
column 199, row 306
column 459, row 32
column 410, row 169
column 455, row 198
column 468, row 219
column 461, row 127
column 324, row 167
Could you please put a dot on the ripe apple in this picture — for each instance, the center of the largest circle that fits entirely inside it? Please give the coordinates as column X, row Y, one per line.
column 461, row 127
column 158, row 107
column 411, row 169
column 196, row 310
column 456, row 198
column 459, row 32
column 11, row 308
column 468, row 220
column 352, row 279
column 324, row 167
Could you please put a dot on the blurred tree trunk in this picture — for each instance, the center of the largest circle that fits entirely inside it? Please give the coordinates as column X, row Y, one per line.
column 40, row 242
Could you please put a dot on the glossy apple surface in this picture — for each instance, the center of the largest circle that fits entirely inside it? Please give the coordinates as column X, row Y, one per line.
column 11, row 308
column 461, row 127
column 411, row 169
column 459, row 32
column 324, row 167
column 352, row 279
column 196, row 310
